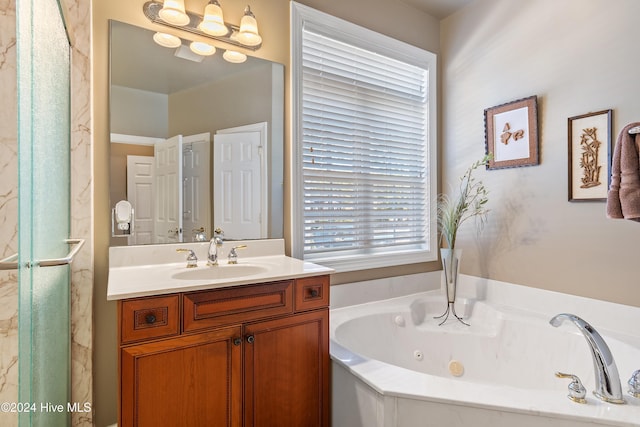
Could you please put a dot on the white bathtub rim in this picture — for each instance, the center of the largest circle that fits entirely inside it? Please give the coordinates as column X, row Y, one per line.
column 390, row 380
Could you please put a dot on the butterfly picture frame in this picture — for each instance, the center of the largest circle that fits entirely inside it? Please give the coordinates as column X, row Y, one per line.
column 511, row 134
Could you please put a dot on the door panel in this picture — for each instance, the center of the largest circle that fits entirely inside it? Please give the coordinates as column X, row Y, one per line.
column 140, row 182
column 237, row 185
column 193, row 380
column 43, row 201
column 196, row 182
column 286, row 371
column 168, row 191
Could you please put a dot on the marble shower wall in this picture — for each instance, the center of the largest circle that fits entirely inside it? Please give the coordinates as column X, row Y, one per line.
column 8, row 209
column 79, row 21
column 78, row 15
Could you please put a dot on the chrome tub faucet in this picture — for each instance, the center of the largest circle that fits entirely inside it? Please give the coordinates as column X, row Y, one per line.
column 608, row 387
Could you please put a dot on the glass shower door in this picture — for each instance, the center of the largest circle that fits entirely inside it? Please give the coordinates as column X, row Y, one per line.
column 43, row 223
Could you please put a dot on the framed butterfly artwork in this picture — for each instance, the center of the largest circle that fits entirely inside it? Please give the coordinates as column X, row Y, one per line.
column 511, row 134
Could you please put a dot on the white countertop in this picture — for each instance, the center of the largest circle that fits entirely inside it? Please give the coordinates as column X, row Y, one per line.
column 136, row 271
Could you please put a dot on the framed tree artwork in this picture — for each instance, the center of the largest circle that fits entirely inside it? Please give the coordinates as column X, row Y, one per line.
column 511, row 134
column 589, row 156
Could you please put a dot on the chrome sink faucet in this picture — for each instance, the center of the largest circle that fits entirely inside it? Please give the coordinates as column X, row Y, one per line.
column 608, row 387
column 214, row 244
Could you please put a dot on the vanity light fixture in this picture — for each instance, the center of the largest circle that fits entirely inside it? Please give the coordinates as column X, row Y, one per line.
column 234, row 57
column 210, row 25
column 167, row 40
column 173, row 12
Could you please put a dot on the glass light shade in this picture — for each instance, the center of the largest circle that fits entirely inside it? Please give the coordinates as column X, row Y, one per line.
column 248, row 34
column 173, row 12
column 234, row 56
column 213, row 21
column 202, row 48
column 167, row 40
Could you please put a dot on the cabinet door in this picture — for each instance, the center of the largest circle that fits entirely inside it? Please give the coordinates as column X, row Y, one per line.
column 193, row 380
column 287, row 371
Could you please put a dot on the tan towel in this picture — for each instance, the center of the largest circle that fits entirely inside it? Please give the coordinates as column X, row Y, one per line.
column 623, row 199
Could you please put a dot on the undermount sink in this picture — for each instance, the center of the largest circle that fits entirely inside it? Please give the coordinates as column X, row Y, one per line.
column 225, row 271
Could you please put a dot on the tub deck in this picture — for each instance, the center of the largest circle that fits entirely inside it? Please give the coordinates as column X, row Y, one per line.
column 392, row 354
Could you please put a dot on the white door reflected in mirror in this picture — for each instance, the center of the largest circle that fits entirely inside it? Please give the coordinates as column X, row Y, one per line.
column 240, row 188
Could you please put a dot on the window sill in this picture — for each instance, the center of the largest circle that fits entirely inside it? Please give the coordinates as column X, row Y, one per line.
column 346, row 264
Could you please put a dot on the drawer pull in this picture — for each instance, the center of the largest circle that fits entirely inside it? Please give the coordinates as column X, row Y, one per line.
column 315, row 293
column 150, row 318
column 251, row 339
column 237, row 341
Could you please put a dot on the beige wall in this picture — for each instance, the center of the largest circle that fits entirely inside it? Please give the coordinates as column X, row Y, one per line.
column 577, row 56
column 139, row 112
column 215, row 106
column 383, row 16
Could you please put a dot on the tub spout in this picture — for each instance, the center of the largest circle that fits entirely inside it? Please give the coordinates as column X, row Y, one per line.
column 608, row 387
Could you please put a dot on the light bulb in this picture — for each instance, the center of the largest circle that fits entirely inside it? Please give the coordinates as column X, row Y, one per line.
column 202, row 48
column 213, row 21
column 167, row 40
column 248, row 34
column 234, row 56
column 173, row 12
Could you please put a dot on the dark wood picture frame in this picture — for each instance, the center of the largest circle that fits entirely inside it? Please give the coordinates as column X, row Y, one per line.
column 590, row 150
column 511, row 134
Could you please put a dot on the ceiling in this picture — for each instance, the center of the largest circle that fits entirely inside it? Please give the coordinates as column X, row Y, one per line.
column 438, row 8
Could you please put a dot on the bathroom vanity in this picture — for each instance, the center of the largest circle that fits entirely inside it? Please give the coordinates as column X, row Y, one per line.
column 245, row 350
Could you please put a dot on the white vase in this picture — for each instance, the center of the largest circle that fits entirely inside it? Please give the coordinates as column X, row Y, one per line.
column 450, row 272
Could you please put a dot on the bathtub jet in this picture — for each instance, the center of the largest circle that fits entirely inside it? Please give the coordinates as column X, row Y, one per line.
column 608, row 386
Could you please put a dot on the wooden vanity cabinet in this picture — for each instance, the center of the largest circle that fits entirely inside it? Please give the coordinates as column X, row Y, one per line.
column 252, row 356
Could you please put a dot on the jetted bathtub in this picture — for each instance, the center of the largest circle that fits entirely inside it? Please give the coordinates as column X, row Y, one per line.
column 394, row 366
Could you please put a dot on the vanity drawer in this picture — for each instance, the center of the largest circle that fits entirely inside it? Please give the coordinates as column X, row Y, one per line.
column 236, row 305
column 311, row 292
column 148, row 318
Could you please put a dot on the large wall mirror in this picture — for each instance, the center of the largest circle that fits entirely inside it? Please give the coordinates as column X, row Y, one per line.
column 196, row 143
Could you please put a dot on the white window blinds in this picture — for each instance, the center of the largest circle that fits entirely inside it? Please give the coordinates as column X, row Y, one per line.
column 364, row 151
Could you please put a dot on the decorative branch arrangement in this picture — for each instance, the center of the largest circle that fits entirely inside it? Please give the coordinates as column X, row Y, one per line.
column 470, row 203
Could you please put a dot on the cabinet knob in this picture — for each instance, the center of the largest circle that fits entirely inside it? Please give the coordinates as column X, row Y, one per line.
column 315, row 293
column 237, row 341
column 251, row 339
column 150, row 318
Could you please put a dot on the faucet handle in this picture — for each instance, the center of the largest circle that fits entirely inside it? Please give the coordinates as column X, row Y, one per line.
column 199, row 234
column 577, row 392
column 634, row 384
column 233, row 255
column 192, row 259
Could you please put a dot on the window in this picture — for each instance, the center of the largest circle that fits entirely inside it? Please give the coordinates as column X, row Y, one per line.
column 364, row 146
